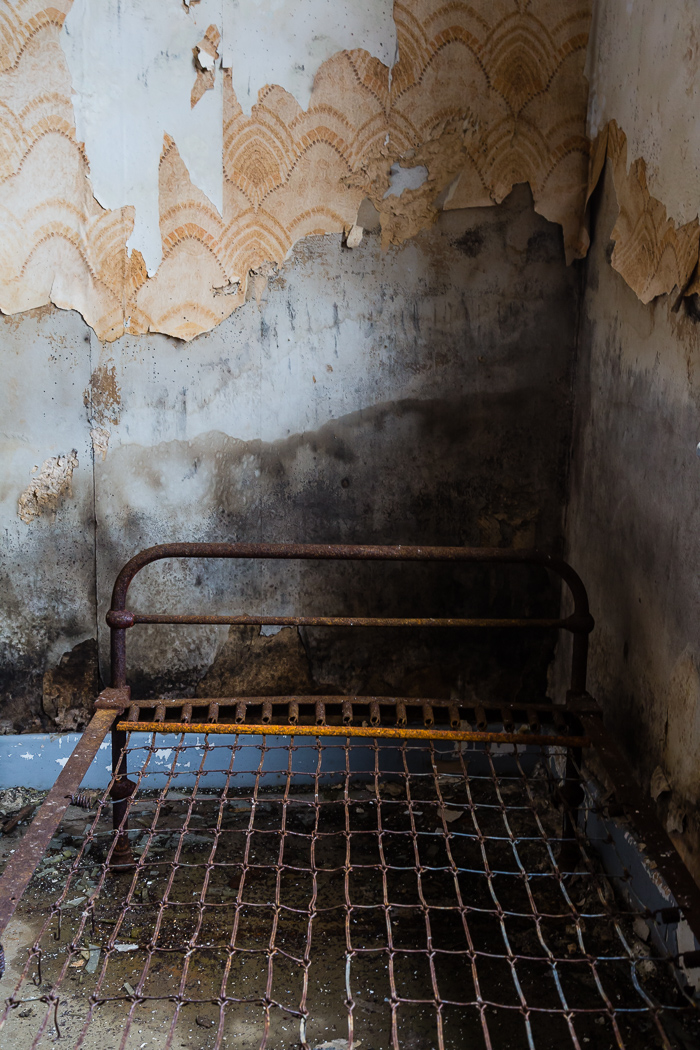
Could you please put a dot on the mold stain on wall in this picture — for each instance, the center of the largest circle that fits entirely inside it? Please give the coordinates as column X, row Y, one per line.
column 420, row 394
column 632, row 524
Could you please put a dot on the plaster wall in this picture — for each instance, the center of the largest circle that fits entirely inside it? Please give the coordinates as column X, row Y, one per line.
column 643, row 65
column 633, row 522
column 416, row 395
column 642, row 68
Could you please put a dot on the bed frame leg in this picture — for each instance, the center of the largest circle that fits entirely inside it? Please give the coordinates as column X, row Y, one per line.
column 572, row 795
column 122, row 789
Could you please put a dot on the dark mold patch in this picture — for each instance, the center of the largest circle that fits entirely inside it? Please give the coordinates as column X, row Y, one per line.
column 252, row 664
column 70, row 689
column 470, row 243
column 449, row 471
column 543, row 246
column 461, row 353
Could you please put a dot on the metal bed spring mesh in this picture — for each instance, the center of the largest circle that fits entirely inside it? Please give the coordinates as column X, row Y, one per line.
column 391, row 894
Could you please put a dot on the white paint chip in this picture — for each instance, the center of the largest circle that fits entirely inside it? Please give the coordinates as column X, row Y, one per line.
column 354, row 236
column 61, row 762
column 100, row 441
column 285, row 42
column 205, row 60
column 405, row 179
column 131, row 65
column 685, row 940
column 27, row 755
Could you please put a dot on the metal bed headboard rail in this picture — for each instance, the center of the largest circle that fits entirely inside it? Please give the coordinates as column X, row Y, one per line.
column 580, row 623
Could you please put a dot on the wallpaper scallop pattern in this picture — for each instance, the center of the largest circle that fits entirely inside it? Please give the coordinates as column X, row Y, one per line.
column 652, row 253
column 484, row 95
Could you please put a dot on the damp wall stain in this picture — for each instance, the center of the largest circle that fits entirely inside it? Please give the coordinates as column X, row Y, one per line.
column 419, row 395
column 47, row 566
column 633, row 522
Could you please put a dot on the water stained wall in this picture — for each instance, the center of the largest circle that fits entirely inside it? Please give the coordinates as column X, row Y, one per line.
column 416, row 395
column 632, row 520
column 632, row 525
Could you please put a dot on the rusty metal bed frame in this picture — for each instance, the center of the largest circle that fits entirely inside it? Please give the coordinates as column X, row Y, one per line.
column 406, row 738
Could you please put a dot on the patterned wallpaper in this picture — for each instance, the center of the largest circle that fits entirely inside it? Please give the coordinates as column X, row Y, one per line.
column 484, row 95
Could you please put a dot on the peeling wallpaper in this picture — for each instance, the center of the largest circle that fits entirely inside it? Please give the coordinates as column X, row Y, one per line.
column 186, row 183
column 652, row 253
column 643, row 68
column 133, row 74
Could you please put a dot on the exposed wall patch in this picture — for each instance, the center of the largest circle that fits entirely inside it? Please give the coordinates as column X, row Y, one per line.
column 102, row 398
column 285, row 42
column 131, row 67
column 405, row 179
column 45, row 491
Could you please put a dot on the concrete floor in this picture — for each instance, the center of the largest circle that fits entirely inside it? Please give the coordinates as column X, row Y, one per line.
column 196, row 1025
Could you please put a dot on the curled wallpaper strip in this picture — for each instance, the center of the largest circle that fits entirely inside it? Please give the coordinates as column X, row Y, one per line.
column 483, row 96
column 653, row 254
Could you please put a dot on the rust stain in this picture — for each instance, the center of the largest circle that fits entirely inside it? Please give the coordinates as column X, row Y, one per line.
column 102, row 397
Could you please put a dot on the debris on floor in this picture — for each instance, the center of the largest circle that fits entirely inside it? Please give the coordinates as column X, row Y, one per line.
column 387, row 906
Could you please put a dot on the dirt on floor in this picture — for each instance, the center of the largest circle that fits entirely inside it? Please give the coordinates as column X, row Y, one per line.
column 428, row 917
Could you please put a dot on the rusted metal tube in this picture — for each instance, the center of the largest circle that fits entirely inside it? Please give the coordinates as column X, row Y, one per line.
column 567, row 624
column 580, row 623
column 588, row 706
column 121, row 790
column 392, row 732
column 21, row 864
column 533, row 720
column 347, row 552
